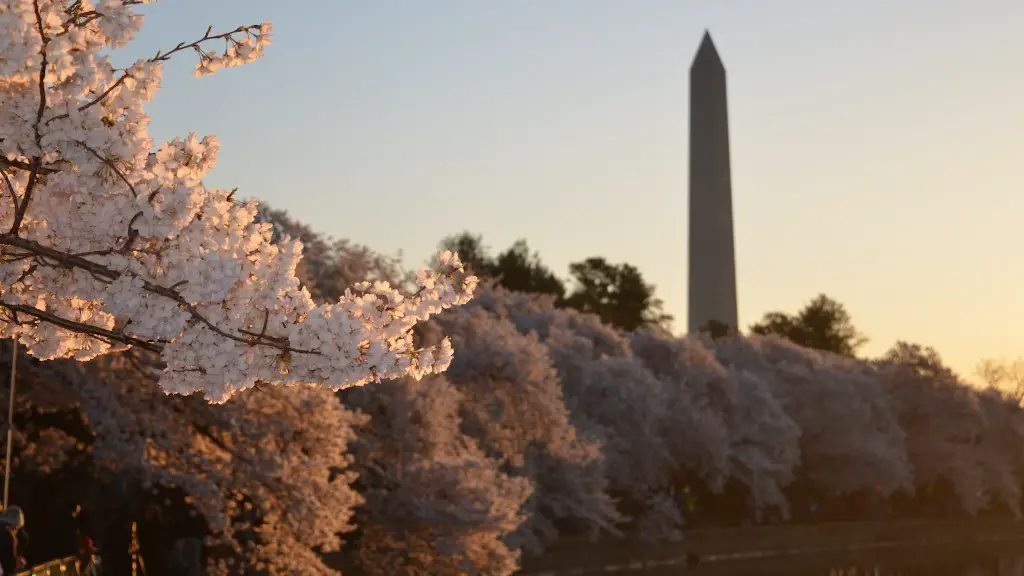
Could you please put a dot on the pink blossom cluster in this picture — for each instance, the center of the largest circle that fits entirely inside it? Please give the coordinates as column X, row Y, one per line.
column 108, row 241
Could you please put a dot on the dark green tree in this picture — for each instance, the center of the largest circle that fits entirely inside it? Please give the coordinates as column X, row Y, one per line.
column 615, row 292
column 515, row 269
column 520, row 270
column 717, row 329
column 823, row 324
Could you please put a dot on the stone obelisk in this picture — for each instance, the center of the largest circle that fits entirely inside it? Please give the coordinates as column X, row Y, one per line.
column 712, row 263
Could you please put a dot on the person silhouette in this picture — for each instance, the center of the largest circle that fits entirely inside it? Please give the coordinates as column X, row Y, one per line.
column 11, row 521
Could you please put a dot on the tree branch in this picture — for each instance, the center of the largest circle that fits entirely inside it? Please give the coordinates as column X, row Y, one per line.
column 10, row 188
column 21, row 165
column 104, row 273
column 81, row 328
column 159, row 57
column 110, row 164
column 36, row 163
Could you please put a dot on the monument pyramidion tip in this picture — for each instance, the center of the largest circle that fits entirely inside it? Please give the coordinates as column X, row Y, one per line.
column 707, row 57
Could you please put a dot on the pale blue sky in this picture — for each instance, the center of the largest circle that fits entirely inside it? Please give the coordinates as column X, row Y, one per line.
column 878, row 147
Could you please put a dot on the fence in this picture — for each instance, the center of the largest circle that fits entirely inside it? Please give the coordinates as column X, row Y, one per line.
column 59, row 567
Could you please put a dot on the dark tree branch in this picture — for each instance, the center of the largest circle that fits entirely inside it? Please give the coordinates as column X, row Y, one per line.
column 37, row 162
column 110, row 164
column 106, row 274
column 96, row 100
column 10, row 188
column 22, row 165
column 81, row 328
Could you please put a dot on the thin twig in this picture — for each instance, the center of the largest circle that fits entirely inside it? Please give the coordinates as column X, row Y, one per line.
column 159, row 57
column 110, row 164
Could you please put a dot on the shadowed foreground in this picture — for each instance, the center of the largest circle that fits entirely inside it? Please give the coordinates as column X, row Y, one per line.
column 784, row 549
column 980, row 560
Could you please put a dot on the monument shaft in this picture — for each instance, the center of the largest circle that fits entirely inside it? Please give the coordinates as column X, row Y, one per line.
column 712, row 255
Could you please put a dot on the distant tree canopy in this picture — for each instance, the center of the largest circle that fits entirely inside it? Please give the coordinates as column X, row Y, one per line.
column 617, row 293
column 921, row 361
column 823, row 324
column 717, row 329
column 516, row 268
column 1004, row 375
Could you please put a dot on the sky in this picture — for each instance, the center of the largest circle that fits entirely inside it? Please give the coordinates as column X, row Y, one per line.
column 877, row 147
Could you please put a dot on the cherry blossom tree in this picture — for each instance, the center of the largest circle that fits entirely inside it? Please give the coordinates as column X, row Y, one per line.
column 738, row 407
column 267, row 474
column 611, row 397
column 949, row 435
column 330, row 266
column 514, row 407
column 829, row 397
column 655, row 402
column 435, row 503
column 108, row 244
column 999, row 452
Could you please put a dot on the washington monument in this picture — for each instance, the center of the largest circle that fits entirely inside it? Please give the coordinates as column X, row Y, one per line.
column 712, row 258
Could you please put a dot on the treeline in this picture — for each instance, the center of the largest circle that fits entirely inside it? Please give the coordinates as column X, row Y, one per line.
column 552, row 421
column 616, row 293
column 620, row 297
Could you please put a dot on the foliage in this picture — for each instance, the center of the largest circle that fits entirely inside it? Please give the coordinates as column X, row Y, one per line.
column 517, row 268
column 823, row 324
column 435, row 503
column 265, row 476
column 1004, row 375
column 952, row 429
column 513, row 406
column 110, row 245
column 331, row 266
column 617, row 293
column 716, row 329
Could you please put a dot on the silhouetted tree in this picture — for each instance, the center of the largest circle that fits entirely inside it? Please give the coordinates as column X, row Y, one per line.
column 520, row 270
column 615, row 292
column 823, row 324
column 717, row 329
column 1004, row 375
column 516, row 268
column 920, row 361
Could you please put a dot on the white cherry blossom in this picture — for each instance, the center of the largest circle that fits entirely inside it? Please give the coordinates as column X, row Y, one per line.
column 110, row 241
